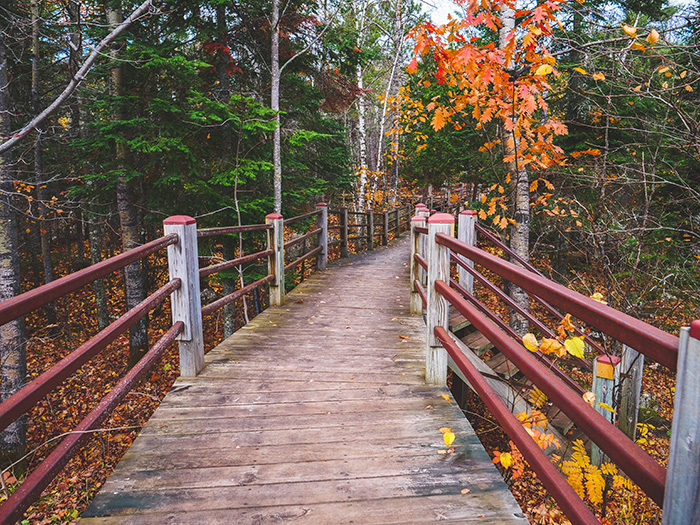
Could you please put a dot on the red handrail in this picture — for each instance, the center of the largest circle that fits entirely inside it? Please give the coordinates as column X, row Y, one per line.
column 649, row 340
column 24, row 399
column 224, row 230
column 574, row 508
column 31, row 300
column 13, row 509
column 220, row 303
column 301, row 217
column 637, row 464
column 215, row 268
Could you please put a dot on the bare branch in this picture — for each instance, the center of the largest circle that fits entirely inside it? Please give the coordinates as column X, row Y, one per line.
column 76, row 80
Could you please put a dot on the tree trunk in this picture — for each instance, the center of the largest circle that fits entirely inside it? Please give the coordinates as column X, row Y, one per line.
column 128, row 216
column 98, row 286
column 13, row 358
column 520, row 191
column 275, row 105
column 361, row 126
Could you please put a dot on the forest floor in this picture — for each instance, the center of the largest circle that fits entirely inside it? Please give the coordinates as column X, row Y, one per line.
column 72, row 491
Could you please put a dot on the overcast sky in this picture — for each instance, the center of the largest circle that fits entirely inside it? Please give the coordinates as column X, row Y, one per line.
column 438, row 9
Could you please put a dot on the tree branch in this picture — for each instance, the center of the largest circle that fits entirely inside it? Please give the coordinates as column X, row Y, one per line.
column 76, row 80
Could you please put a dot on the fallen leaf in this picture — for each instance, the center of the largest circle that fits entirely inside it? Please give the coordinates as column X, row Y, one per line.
column 589, row 397
column 575, row 346
column 449, row 438
column 429, row 407
column 445, row 397
column 530, row 342
column 404, row 337
column 465, row 491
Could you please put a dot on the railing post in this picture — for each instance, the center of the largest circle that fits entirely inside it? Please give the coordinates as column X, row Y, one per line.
column 467, row 234
column 343, row 231
column 186, row 302
column 606, row 377
column 370, row 229
column 631, row 369
column 422, row 211
column 275, row 262
column 322, row 258
column 385, row 237
column 398, row 221
column 416, row 304
column 682, row 496
column 438, row 308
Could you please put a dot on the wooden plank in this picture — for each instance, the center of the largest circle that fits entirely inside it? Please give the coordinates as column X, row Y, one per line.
column 316, row 412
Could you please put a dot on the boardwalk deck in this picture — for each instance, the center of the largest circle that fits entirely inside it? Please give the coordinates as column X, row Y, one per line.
column 316, row 412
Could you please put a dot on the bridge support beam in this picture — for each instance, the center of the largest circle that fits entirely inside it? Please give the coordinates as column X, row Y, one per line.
column 682, row 496
column 631, row 369
column 416, row 303
column 438, row 308
column 183, row 264
column 275, row 262
column 466, row 233
column 606, row 379
column 322, row 258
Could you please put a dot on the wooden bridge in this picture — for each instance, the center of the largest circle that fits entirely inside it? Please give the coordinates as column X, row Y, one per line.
column 331, row 405
column 317, row 411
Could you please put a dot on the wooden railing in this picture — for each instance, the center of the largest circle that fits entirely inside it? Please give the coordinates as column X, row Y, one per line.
column 433, row 292
column 183, row 289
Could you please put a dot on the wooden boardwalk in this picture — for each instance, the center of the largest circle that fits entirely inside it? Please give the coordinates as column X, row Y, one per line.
column 315, row 412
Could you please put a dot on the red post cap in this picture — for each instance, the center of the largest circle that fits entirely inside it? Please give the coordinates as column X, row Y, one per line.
column 609, row 360
column 695, row 329
column 273, row 216
column 433, row 211
column 418, row 218
column 321, row 204
column 421, row 205
column 343, row 207
column 441, row 218
column 180, row 219
column 369, row 210
column 468, row 212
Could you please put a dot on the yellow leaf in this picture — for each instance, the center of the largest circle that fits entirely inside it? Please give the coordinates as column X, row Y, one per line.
column 543, row 70
column 663, row 69
column 638, row 88
column 530, row 342
column 506, row 459
column 589, row 397
column 533, row 185
column 580, row 70
column 438, row 121
column 503, row 224
column 638, row 46
column 598, row 76
column 567, row 324
column 575, row 346
column 482, row 215
column 449, row 438
column 598, row 297
column 444, row 429
column 653, row 37
column 688, row 88
column 508, row 178
column 630, row 31
column 664, row 85
column 607, row 407
column 445, row 397
column 683, row 74
column 465, row 491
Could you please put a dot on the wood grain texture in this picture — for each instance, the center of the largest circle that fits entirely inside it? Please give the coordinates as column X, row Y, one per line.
column 316, row 412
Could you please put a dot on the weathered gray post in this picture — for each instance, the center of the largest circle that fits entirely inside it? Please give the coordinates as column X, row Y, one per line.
column 343, row 231
column 322, row 258
column 385, row 238
column 438, row 308
column 275, row 262
column 682, row 496
column 416, row 304
column 467, row 234
column 422, row 211
column 370, row 229
column 398, row 221
column 606, row 376
column 631, row 369
column 186, row 302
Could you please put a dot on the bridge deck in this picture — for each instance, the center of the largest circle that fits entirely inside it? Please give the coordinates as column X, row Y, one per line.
column 315, row 412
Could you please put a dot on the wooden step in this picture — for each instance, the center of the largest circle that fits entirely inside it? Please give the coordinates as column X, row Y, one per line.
column 502, row 366
column 477, row 342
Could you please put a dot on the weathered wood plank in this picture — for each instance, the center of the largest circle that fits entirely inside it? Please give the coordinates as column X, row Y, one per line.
column 316, row 412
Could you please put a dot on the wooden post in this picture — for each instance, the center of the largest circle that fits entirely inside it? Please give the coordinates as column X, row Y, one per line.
column 370, row 229
column 438, row 309
column 466, row 233
column 631, row 369
column 606, row 377
column 322, row 258
column 186, row 302
column 275, row 262
column 398, row 222
column 682, row 497
column 416, row 304
column 343, row 231
column 385, row 238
